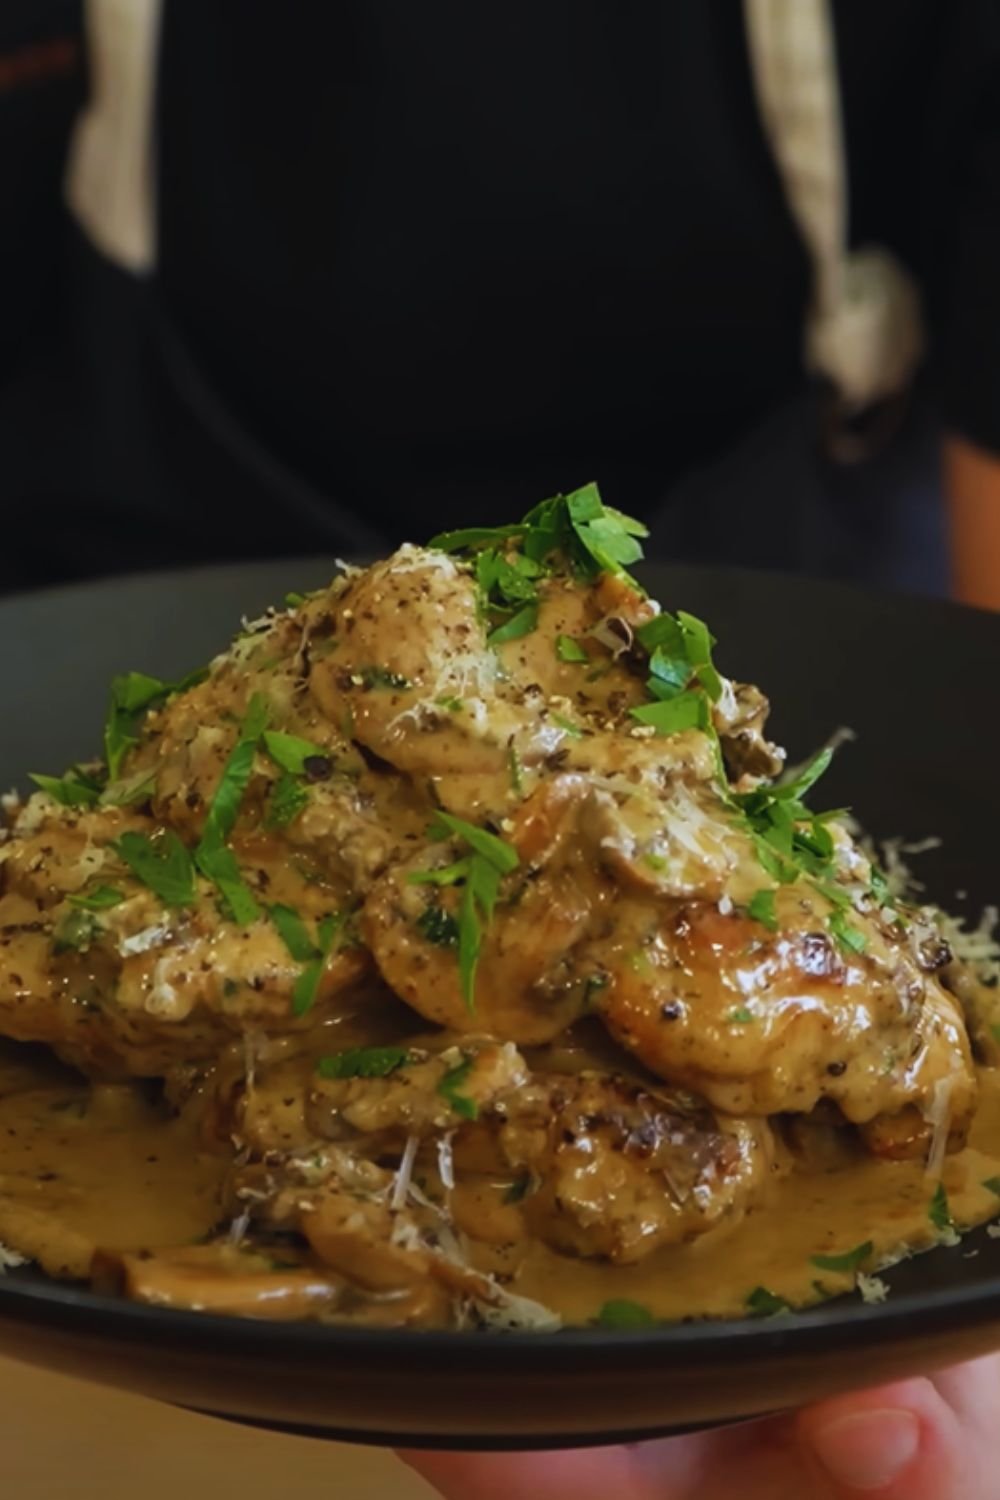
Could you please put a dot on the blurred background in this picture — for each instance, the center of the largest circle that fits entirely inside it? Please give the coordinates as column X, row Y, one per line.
column 313, row 278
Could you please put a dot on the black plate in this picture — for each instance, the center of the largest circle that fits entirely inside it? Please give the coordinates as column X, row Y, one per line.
column 914, row 679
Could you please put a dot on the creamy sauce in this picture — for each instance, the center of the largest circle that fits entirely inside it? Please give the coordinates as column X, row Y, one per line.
column 83, row 1168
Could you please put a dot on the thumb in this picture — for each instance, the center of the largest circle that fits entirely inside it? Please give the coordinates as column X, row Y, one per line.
column 902, row 1442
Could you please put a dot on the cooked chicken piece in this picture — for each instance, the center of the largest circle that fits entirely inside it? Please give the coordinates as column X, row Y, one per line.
column 138, row 986
column 762, row 1023
column 617, row 1169
column 622, row 1170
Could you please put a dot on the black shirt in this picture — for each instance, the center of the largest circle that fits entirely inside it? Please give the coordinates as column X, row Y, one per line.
column 418, row 262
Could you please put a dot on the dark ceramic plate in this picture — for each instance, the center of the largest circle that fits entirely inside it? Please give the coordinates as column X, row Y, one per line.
column 916, row 680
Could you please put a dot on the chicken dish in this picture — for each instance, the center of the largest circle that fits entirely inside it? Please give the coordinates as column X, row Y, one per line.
column 456, row 950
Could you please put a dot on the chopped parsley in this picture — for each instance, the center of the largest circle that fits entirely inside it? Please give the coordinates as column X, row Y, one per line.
column 762, row 1303
column 75, row 789
column 740, row 1015
column 363, row 1062
column 939, row 1210
column 849, row 1262
column 519, row 624
column 850, row 938
column 74, row 932
column 688, row 710
column 328, row 930
column 450, row 1086
column 128, row 790
column 293, row 933
column 288, row 799
column 132, row 696
column 567, row 726
column 290, row 752
column 569, row 650
column 576, row 530
column 762, row 910
column 101, row 898
column 162, row 863
column 438, row 926
column 993, row 1184
column 621, row 1313
column 214, row 858
column 479, row 874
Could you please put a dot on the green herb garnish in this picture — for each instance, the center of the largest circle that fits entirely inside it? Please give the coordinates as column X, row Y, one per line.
column 75, row 789
column 363, row 1062
column 740, row 1015
column 567, row 726
column 993, row 1184
column 101, row 898
column 850, row 938
column 290, row 752
column 479, row 873
column 849, row 1263
column 162, row 863
column 132, row 697
column 688, row 710
column 74, row 932
column 762, row 910
column 762, row 1303
column 328, row 930
column 570, row 650
column 522, row 623
column 214, row 858
column 128, row 790
column 449, row 1088
column 621, row 1313
column 288, row 798
column 438, row 926
column 516, row 770
column 293, row 933
column 939, row 1210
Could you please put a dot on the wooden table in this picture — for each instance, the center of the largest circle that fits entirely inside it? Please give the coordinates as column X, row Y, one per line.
column 59, row 1437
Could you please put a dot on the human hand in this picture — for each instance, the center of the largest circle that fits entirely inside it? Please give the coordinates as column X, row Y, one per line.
column 936, row 1439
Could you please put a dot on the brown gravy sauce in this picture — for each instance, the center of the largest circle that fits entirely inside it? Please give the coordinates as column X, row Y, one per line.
column 109, row 1166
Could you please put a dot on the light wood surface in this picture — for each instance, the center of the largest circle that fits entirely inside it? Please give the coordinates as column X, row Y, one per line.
column 59, row 1437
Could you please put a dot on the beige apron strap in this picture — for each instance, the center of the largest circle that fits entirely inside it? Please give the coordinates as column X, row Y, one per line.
column 110, row 172
column 865, row 329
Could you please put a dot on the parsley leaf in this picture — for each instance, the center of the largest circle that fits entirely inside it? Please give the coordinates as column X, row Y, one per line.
column 290, row 752
column 502, row 856
column 522, row 623
column 850, row 1262
column 101, row 898
column 993, row 1184
column 438, row 926
column 449, row 1086
column 214, row 858
column 71, row 790
column 687, row 710
column 132, row 696
column 741, row 1015
column 74, row 932
column 307, row 985
column 762, row 910
column 363, row 1062
column 850, row 938
column 288, row 798
column 162, row 863
column 293, row 932
column 570, row 650
column 762, row 1303
column 621, row 1313
column 128, row 790
column 939, row 1210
